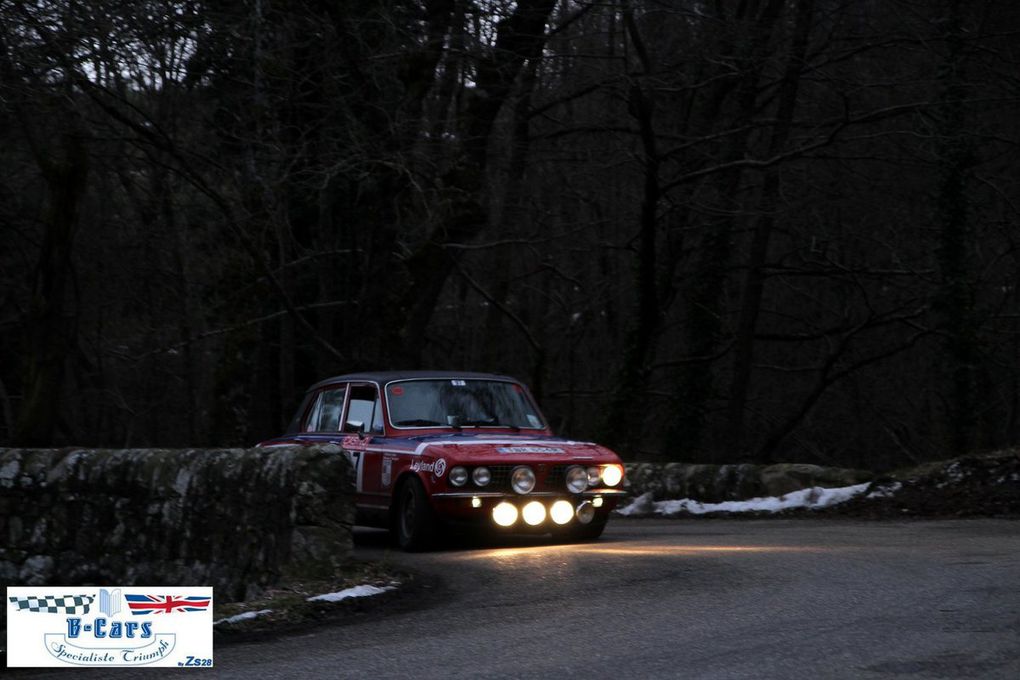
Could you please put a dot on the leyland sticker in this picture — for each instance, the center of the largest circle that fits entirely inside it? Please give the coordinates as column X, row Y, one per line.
column 111, row 626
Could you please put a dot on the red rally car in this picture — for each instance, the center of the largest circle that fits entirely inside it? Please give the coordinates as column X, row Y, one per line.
column 432, row 447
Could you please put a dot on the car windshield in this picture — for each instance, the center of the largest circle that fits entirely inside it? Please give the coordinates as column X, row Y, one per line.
column 457, row 402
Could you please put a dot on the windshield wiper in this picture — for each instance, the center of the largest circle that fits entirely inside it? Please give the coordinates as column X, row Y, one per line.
column 490, row 422
column 509, row 426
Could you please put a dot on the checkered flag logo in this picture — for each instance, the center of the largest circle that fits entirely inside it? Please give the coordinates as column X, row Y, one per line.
column 53, row 604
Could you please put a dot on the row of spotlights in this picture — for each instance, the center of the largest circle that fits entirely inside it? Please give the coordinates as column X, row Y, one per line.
column 534, row 513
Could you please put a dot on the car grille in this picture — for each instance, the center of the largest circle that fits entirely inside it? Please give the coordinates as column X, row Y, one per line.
column 555, row 478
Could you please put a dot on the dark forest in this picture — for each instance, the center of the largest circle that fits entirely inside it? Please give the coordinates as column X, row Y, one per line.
column 706, row 230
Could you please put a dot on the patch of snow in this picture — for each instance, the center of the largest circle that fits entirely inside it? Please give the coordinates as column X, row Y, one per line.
column 243, row 616
column 642, row 505
column 885, row 491
column 954, row 472
column 356, row 591
column 813, row 498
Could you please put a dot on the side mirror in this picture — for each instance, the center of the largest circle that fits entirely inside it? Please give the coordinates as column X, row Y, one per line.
column 355, row 426
column 454, row 421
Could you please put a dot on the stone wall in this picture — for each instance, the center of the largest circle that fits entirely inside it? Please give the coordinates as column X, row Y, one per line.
column 716, row 483
column 235, row 519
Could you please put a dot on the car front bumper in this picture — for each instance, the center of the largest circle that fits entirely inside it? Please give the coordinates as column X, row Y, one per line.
column 479, row 507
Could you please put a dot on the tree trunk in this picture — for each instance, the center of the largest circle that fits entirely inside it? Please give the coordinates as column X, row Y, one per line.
column 956, row 243
column 519, row 40
column 48, row 336
column 754, row 282
column 642, row 336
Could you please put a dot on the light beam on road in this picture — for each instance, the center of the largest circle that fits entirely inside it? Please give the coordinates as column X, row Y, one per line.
column 640, row 549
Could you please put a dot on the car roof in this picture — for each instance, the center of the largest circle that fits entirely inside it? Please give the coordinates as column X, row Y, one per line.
column 383, row 377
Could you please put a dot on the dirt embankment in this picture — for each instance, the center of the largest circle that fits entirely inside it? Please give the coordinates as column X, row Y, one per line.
column 979, row 485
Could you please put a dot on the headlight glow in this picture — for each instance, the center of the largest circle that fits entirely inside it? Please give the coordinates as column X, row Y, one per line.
column 481, row 476
column 523, row 479
column 612, row 474
column 504, row 514
column 534, row 513
column 458, row 476
column 577, row 479
column 561, row 512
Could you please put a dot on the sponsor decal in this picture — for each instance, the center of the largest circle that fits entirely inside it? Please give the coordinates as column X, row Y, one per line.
column 530, row 449
column 438, row 468
column 59, row 626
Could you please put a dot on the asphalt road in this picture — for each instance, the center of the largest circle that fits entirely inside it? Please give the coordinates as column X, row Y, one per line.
column 688, row 599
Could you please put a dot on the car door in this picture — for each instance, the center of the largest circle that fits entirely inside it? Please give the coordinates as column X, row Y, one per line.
column 323, row 421
column 362, row 422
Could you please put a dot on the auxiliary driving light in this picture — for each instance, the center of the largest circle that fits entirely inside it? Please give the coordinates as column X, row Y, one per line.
column 504, row 514
column 597, row 501
column 612, row 475
column 522, row 479
column 561, row 512
column 476, row 502
column 577, row 479
column 534, row 513
column 585, row 512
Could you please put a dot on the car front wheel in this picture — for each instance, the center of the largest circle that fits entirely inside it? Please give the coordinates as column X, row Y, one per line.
column 581, row 532
column 414, row 521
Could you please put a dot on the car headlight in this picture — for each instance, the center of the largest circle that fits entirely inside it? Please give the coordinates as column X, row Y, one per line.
column 612, row 474
column 577, row 479
column 594, row 476
column 481, row 476
column 458, row 476
column 522, row 480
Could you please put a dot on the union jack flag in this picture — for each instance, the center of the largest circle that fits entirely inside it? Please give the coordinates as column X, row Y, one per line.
column 143, row 605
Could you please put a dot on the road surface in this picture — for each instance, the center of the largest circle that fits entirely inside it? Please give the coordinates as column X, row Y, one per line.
column 688, row 599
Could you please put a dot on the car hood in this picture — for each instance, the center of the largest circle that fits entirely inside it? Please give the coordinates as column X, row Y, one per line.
column 511, row 449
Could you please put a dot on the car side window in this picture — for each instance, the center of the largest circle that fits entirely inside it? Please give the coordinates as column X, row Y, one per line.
column 364, row 414
column 313, row 413
column 327, row 412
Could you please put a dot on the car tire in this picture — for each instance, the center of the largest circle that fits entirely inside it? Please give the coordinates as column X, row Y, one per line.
column 583, row 532
column 414, row 522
